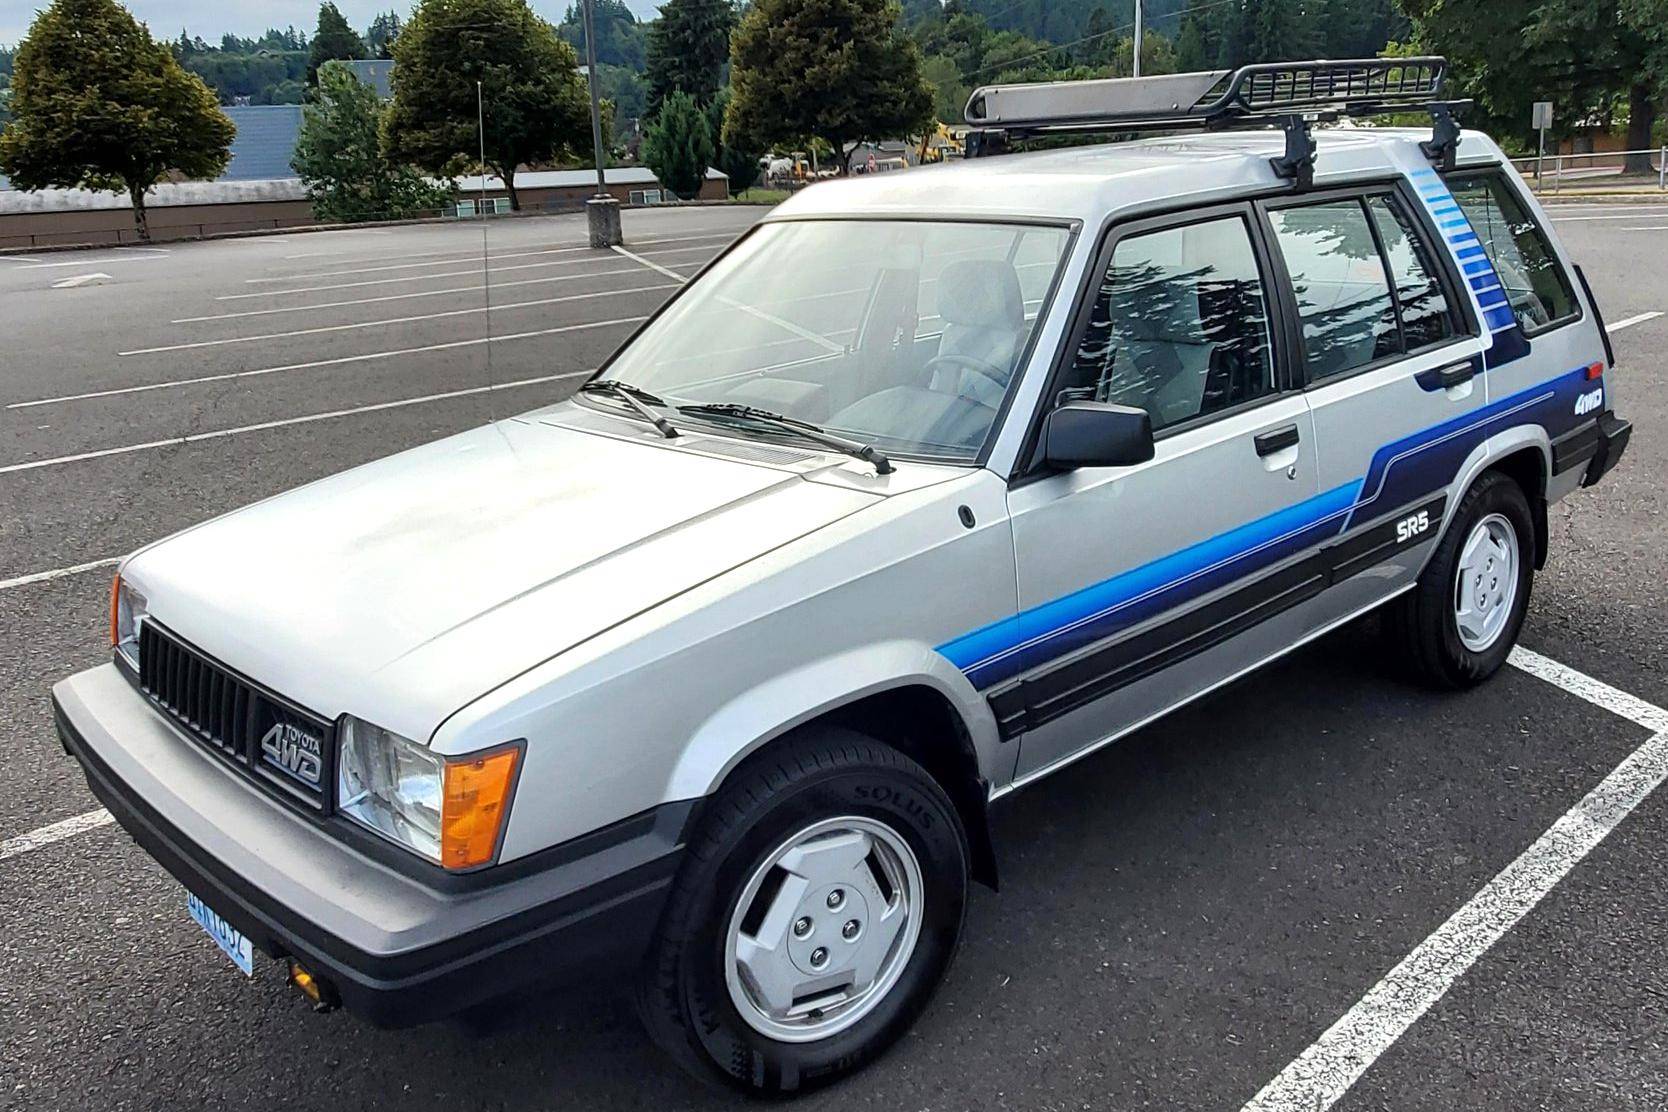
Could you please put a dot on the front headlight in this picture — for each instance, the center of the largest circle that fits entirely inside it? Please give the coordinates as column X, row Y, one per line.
column 450, row 811
column 127, row 609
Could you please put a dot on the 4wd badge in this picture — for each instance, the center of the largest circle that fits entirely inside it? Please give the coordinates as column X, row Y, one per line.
column 295, row 751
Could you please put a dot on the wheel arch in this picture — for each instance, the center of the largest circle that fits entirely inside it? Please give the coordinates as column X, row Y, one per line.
column 921, row 712
column 1524, row 455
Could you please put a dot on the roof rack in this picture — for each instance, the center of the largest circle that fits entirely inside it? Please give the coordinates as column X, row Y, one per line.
column 1293, row 95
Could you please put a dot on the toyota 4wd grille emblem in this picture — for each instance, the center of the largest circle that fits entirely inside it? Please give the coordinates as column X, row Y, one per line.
column 295, row 751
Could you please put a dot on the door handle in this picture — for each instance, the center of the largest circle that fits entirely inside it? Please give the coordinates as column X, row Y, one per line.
column 1456, row 375
column 1276, row 440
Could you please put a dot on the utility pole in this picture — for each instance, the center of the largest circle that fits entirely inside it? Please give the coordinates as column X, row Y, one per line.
column 602, row 212
column 1138, row 31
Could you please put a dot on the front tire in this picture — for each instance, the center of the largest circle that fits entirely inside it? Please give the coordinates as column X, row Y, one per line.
column 818, row 909
column 1456, row 628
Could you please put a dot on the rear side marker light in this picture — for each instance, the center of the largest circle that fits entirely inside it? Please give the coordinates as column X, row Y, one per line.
column 1594, row 370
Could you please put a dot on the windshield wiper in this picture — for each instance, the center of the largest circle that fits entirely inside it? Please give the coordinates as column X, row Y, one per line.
column 637, row 398
column 865, row 452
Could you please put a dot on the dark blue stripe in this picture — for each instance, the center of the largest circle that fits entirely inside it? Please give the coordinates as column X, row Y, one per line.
column 1400, row 474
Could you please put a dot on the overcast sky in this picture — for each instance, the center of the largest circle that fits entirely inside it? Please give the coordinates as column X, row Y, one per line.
column 213, row 18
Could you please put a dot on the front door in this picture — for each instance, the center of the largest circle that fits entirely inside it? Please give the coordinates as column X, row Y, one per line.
column 1138, row 584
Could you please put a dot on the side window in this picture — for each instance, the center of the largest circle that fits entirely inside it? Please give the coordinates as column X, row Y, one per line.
column 1537, row 287
column 1426, row 319
column 1343, row 296
column 1180, row 326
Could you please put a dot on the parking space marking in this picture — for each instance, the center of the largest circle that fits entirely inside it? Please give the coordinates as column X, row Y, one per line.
column 443, row 274
column 648, row 263
column 504, row 308
column 1325, row 1071
column 1640, row 318
column 316, row 363
column 286, row 422
column 420, row 293
column 57, row 832
column 56, row 573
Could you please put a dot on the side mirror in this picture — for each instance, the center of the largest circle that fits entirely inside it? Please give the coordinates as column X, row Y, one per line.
column 1097, row 434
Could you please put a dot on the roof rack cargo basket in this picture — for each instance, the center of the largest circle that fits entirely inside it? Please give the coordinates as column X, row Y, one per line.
column 1291, row 94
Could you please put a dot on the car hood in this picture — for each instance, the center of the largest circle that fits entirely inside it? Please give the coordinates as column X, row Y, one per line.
column 403, row 589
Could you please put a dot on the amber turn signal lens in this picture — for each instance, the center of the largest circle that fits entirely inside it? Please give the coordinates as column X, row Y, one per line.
column 477, row 794
column 115, row 609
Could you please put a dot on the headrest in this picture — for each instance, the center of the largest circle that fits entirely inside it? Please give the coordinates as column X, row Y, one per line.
column 983, row 293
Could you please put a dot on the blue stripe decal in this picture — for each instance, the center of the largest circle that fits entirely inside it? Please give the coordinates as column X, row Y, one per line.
column 1491, row 298
column 1400, row 474
column 1479, row 266
column 1461, row 222
column 1501, row 317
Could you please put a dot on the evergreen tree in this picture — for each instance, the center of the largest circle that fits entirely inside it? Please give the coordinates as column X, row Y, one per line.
column 1195, row 46
column 334, row 41
column 678, row 146
column 99, row 104
column 380, row 36
column 739, row 163
column 687, row 48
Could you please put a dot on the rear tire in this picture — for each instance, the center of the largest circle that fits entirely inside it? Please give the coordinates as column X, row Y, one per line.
column 832, row 860
column 1457, row 626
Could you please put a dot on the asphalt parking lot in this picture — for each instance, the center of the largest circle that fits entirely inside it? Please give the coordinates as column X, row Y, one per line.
column 1204, row 910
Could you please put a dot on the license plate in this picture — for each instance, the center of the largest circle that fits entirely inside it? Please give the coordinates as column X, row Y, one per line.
column 227, row 937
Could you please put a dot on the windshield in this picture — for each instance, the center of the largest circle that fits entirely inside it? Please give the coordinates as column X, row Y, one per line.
column 906, row 334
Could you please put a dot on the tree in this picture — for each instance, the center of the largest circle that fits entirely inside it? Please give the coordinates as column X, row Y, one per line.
column 739, row 163
column 840, row 70
column 334, row 41
column 380, row 35
column 678, row 146
column 688, row 46
column 620, row 38
column 536, row 107
column 340, row 160
column 99, row 104
column 1587, row 56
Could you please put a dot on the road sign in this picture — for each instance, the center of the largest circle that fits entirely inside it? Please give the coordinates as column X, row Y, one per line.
column 1540, row 121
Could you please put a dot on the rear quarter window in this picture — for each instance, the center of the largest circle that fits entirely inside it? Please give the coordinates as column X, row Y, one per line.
column 1536, row 286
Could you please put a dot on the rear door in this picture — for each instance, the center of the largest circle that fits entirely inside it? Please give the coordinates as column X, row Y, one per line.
column 1392, row 369
column 1131, row 579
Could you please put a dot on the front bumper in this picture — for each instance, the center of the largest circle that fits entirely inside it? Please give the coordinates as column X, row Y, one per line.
column 398, row 949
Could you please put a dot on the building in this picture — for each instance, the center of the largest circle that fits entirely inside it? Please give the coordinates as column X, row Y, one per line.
column 265, row 141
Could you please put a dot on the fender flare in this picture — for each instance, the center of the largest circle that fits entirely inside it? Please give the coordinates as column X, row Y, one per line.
column 1486, row 455
column 756, row 717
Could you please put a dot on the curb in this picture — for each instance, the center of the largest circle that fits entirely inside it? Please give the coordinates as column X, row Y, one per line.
column 300, row 229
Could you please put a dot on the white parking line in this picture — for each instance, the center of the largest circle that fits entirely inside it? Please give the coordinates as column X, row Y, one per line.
column 433, row 277
column 398, row 320
column 221, row 434
column 56, row 573
column 420, row 293
column 57, row 832
column 1629, row 322
column 1334, row 1062
column 651, row 265
column 1605, row 216
column 310, row 365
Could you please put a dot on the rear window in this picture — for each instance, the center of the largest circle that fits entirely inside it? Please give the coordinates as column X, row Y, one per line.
column 1536, row 286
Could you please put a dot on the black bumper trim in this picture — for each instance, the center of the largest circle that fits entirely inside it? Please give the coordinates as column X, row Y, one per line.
column 1613, row 436
column 604, row 924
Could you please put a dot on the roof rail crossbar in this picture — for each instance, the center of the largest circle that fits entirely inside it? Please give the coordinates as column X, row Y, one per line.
column 1291, row 95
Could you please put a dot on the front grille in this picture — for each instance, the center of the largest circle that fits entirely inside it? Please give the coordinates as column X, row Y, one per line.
column 266, row 736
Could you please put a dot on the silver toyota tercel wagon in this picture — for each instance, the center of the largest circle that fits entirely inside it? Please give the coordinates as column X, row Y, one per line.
column 932, row 484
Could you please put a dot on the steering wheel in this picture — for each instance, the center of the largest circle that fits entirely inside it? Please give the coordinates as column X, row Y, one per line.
column 997, row 375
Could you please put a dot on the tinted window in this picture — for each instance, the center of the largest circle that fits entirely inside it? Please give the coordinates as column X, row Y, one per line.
column 1536, row 286
column 1343, row 296
column 1180, row 326
column 1425, row 316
